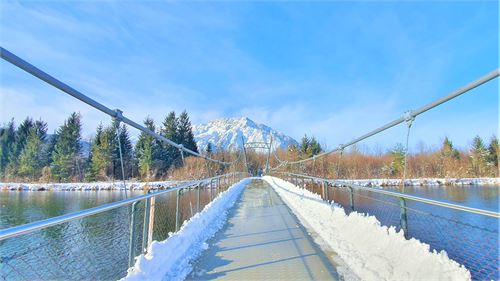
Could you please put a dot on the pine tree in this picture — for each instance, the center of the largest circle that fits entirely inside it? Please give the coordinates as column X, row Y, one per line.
column 493, row 160
column 7, row 142
column 314, row 148
column 304, row 145
column 185, row 132
column 478, row 155
column 398, row 158
column 170, row 154
column 30, row 162
column 146, row 150
column 67, row 151
column 127, row 153
column 100, row 156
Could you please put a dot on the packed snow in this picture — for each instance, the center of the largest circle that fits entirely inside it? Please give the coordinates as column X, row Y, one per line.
column 226, row 134
column 171, row 259
column 370, row 250
column 88, row 186
column 419, row 182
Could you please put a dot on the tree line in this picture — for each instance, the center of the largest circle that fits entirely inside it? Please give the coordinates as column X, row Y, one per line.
column 27, row 152
column 445, row 161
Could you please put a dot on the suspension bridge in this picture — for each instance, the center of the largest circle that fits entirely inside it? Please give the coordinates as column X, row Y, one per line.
column 243, row 227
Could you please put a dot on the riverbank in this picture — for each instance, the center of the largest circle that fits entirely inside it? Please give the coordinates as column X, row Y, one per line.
column 420, row 182
column 158, row 185
column 88, row 186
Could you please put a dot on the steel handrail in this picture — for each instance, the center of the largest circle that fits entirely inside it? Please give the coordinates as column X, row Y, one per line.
column 38, row 225
column 405, row 196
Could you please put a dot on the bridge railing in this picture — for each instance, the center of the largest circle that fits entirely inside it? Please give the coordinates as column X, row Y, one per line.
column 443, row 225
column 101, row 243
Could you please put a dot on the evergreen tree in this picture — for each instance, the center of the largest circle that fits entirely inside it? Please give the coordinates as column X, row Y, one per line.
column 22, row 133
column 7, row 143
column 314, row 148
column 398, row 158
column 170, row 154
column 20, row 139
column 493, row 151
column 304, row 145
column 478, row 155
column 47, row 149
column 66, row 156
column 30, row 160
column 127, row 153
column 146, row 150
column 185, row 132
column 309, row 147
column 100, row 156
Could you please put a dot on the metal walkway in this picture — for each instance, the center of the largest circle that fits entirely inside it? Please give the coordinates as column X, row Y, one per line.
column 262, row 240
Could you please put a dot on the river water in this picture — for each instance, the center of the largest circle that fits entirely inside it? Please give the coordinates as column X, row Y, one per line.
column 74, row 249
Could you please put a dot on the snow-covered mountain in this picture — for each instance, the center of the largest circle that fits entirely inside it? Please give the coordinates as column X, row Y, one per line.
column 227, row 134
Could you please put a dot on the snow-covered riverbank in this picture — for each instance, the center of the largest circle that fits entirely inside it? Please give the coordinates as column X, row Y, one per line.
column 420, row 182
column 87, row 186
column 136, row 185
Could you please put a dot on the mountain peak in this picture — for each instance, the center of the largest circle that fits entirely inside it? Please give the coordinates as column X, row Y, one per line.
column 227, row 134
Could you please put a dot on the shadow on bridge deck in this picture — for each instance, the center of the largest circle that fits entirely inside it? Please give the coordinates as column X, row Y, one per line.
column 263, row 240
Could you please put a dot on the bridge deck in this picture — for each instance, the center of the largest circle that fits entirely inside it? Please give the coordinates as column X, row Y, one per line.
column 263, row 240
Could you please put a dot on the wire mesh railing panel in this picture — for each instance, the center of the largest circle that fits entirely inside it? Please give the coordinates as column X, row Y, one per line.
column 462, row 235
column 164, row 215
column 468, row 238
column 103, row 246
column 476, row 247
column 62, row 252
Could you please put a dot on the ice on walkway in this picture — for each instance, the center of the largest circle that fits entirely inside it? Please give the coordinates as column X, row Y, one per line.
column 370, row 250
column 171, row 259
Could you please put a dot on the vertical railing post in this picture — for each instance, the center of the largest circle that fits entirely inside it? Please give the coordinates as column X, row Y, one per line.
column 131, row 249
column 198, row 198
column 211, row 187
column 403, row 217
column 151, row 221
column 325, row 190
column 351, row 198
column 145, row 226
column 177, row 213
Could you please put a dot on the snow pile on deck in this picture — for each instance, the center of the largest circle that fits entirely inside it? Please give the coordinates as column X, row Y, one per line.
column 371, row 251
column 420, row 182
column 88, row 186
column 171, row 258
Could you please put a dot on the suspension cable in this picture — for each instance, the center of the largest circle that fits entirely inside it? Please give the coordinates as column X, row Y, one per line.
column 117, row 129
column 40, row 74
column 338, row 162
column 409, row 121
column 413, row 113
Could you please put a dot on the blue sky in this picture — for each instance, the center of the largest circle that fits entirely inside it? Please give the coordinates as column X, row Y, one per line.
column 330, row 69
